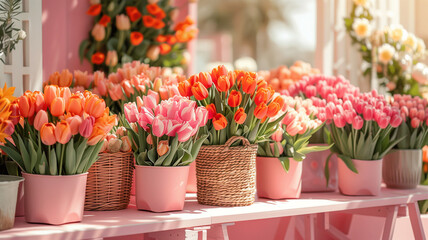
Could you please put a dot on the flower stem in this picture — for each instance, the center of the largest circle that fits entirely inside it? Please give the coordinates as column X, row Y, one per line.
column 121, row 40
column 62, row 157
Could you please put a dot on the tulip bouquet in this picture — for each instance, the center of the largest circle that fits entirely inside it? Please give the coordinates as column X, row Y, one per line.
column 59, row 133
column 413, row 129
column 125, row 31
column 392, row 51
column 239, row 104
column 361, row 127
column 118, row 141
column 292, row 138
column 165, row 134
column 282, row 77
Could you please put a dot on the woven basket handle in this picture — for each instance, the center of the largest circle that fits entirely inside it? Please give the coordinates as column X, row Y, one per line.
column 237, row 138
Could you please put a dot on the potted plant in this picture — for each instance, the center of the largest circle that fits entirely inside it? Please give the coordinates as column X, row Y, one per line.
column 361, row 132
column 402, row 166
column 321, row 89
column 287, row 148
column 164, row 142
column 57, row 141
column 240, row 106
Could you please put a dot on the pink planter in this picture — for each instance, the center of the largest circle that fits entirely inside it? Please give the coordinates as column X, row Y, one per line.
column 366, row 183
column 313, row 178
column 54, row 199
column 191, row 179
column 274, row 183
column 160, row 189
column 20, row 201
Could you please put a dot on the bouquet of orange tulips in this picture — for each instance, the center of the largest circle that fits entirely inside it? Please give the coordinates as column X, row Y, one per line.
column 6, row 127
column 57, row 132
column 239, row 104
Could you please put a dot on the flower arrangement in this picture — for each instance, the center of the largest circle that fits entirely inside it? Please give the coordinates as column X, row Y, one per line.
column 392, row 51
column 282, row 77
column 118, row 141
column 361, row 127
column 413, row 129
column 165, row 134
column 126, row 31
column 291, row 139
column 239, row 104
column 60, row 133
column 129, row 84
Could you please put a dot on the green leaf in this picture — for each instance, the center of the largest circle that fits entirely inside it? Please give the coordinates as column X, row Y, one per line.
column 327, row 169
column 53, row 164
column 33, row 155
column 347, row 160
column 141, row 158
column 285, row 162
column 79, row 154
column 197, row 145
column 43, row 164
column 25, row 156
column 310, row 149
column 70, row 158
column 82, row 49
column 152, row 155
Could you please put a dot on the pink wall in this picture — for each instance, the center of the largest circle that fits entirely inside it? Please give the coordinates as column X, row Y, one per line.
column 66, row 24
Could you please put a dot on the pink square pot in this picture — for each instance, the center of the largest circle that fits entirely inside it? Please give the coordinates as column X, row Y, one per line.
column 160, row 189
column 274, row 182
column 366, row 183
column 54, row 199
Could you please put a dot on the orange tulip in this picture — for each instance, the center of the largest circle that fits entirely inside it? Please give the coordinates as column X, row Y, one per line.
column 98, row 58
column 97, row 135
column 136, row 38
column 98, row 32
column 40, row 119
column 47, row 134
column 235, row 98
column 205, row 79
column 219, row 121
column 74, row 123
column 62, row 132
column 218, row 72
column 65, row 78
column 26, row 104
column 115, row 91
column 273, row 109
column 39, row 101
column 161, row 38
column 261, row 83
column 94, row 10
column 212, row 111
column 163, row 147
column 164, row 48
column 14, row 112
column 240, row 116
column 127, row 87
column 75, row 105
column 171, row 40
column 105, row 20
column 185, row 89
column 260, row 111
column 223, row 84
column 199, row 91
column 51, row 92
column 248, row 84
column 58, row 107
column 133, row 13
column 54, row 78
column 95, row 106
column 280, row 100
column 262, row 96
column 153, row 8
column 81, row 79
column 148, row 21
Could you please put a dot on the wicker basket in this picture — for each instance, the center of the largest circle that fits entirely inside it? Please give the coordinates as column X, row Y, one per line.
column 226, row 176
column 109, row 182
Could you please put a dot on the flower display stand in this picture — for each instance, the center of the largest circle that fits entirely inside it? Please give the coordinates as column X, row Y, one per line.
column 312, row 209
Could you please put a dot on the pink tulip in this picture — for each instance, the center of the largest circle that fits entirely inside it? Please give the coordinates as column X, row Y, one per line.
column 87, row 126
column 421, row 115
column 357, row 122
column 415, row 122
column 74, row 123
column 158, row 127
column 187, row 114
column 405, row 110
column 201, row 116
column 383, row 121
column 359, row 108
column 396, row 120
column 304, row 125
column 368, row 113
column 339, row 120
column 9, row 129
column 289, row 117
column 149, row 101
column 145, row 117
column 131, row 112
column 293, row 128
column 329, row 110
column 184, row 133
column 40, row 119
column 311, row 91
column 172, row 128
column 279, row 145
column 349, row 116
column 413, row 112
column 154, row 94
column 277, row 135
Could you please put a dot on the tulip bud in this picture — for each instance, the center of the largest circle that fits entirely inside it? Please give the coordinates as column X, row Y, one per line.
column 111, row 59
column 98, row 32
column 126, row 144
column 163, row 147
column 149, row 139
column 114, row 145
column 122, row 22
column 153, row 53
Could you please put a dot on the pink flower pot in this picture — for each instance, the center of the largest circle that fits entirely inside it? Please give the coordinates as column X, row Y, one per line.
column 191, row 179
column 274, row 182
column 160, row 189
column 313, row 178
column 20, row 201
column 366, row 183
column 54, row 199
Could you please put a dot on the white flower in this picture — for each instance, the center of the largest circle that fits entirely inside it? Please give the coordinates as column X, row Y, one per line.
column 397, row 33
column 359, row 11
column 410, row 42
column 363, row 3
column 362, row 27
column 420, row 46
column 22, row 34
column 385, row 53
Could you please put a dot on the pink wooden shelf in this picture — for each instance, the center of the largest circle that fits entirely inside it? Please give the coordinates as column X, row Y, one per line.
column 130, row 221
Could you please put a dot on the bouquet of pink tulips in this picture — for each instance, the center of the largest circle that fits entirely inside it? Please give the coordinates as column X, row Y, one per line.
column 361, row 127
column 413, row 129
column 165, row 134
column 291, row 139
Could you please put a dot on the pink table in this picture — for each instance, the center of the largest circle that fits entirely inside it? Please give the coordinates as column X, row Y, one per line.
column 313, row 207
